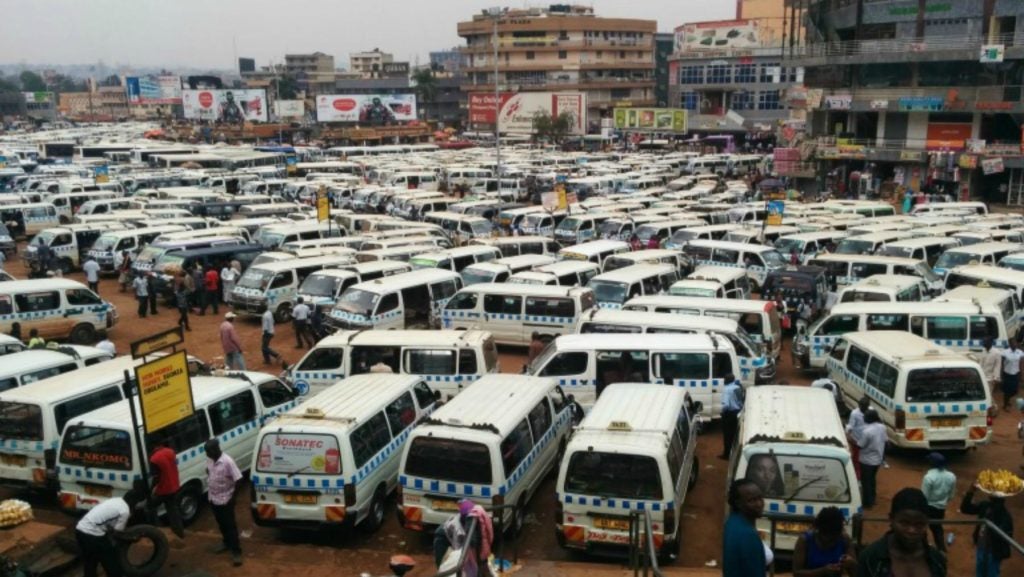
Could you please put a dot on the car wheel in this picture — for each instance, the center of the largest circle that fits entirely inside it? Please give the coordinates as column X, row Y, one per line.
column 83, row 334
column 375, row 517
column 144, row 552
column 189, row 502
column 283, row 314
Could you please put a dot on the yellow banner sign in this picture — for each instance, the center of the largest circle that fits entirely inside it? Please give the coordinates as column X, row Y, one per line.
column 165, row 391
column 323, row 206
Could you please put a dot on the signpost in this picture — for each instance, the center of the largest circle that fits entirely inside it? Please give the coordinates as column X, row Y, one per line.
column 323, row 204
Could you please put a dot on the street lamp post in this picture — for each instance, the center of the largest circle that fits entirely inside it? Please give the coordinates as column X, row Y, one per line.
column 495, row 14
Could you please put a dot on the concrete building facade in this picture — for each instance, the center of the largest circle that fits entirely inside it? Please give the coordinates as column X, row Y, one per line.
column 296, row 65
column 369, row 64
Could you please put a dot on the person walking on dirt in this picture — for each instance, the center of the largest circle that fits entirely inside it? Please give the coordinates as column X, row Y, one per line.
column 211, row 292
column 938, row 485
column 992, row 549
column 181, row 298
column 91, row 268
column 141, row 288
column 151, row 283
column 873, row 438
column 228, row 277
column 233, row 358
column 223, row 478
column 300, row 322
column 743, row 553
column 166, row 485
column 267, row 322
column 96, row 531
column 854, row 427
column 1013, row 357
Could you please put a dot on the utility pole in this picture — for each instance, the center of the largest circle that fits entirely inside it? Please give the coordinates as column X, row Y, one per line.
column 495, row 15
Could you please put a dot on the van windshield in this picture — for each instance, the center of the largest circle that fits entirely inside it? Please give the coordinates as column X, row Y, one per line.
column 96, row 447
column 104, row 243
column 857, row 246
column 169, row 260
column 21, row 421
column 299, row 454
column 150, row 254
column 944, row 384
column 901, row 251
column 449, row 460
column 613, row 475
column 951, row 259
column 358, row 302
column 788, row 245
column 609, row 292
column 256, row 278
column 799, row 477
column 472, row 276
column 320, row 285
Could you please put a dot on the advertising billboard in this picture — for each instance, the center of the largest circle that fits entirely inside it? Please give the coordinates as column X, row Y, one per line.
column 225, row 105
column 718, row 35
column 289, row 108
column 517, row 109
column 368, row 109
column 947, row 135
column 153, row 89
column 653, row 119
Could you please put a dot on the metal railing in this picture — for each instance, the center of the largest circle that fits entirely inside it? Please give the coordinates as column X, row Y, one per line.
column 643, row 555
column 897, row 45
column 859, row 520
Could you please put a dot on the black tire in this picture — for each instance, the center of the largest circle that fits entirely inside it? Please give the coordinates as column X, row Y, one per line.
column 375, row 516
column 190, row 501
column 83, row 334
column 694, row 470
column 155, row 562
column 283, row 314
column 518, row 518
column 670, row 550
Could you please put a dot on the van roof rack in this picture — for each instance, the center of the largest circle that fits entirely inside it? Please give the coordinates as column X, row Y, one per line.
column 476, row 426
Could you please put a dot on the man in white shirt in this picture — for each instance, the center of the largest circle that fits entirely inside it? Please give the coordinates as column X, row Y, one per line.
column 1012, row 357
column 300, row 322
column 991, row 364
column 267, row 324
column 872, row 452
column 854, row 427
column 107, row 346
column 96, row 530
column 91, row 268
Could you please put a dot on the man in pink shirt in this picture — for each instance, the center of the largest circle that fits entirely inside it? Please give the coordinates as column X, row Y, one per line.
column 233, row 358
column 223, row 478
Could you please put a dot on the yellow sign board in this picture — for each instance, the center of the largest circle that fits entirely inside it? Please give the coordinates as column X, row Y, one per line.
column 165, row 391
column 323, row 206
column 159, row 341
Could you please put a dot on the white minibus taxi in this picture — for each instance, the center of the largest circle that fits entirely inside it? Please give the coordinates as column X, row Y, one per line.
column 983, row 253
column 494, row 443
column 407, row 300
column 499, row 270
column 275, row 285
column 25, row 367
column 613, row 289
column 713, row 282
column 928, row 396
column 514, row 312
column 325, row 287
column 635, row 451
column 846, row 269
column 58, row 308
column 755, row 260
column 886, row 288
column 333, row 460
column 562, row 273
column 595, row 251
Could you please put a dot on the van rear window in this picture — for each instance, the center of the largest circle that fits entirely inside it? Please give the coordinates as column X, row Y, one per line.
column 799, row 477
column 944, row 384
column 97, row 447
column 449, row 460
column 21, row 421
column 613, row 475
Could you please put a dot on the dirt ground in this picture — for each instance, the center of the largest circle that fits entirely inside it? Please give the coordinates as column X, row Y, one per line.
column 270, row 552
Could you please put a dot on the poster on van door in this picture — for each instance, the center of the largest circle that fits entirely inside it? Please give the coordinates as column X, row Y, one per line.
column 366, row 109
column 299, row 453
column 232, row 106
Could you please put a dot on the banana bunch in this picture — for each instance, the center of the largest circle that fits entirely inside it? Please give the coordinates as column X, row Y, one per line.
column 1000, row 481
column 14, row 512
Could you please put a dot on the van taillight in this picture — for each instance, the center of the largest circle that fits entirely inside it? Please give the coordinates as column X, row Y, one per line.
column 669, row 523
column 989, row 415
column 350, row 495
column 901, row 419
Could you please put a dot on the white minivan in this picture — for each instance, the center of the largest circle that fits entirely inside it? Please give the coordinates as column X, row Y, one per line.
column 514, row 312
column 25, row 367
column 635, row 451
column 407, row 300
column 58, row 308
column 333, row 460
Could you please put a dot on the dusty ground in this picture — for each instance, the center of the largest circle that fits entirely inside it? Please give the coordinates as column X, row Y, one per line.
column 277, row 553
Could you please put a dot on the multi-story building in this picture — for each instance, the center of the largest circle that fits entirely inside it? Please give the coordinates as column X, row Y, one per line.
column 729, row 73
column 296, row 65
column 369, row 64
column 446, row 62
column 109, row 102
column 664, row 46
column 919, row 94
column 562, row 48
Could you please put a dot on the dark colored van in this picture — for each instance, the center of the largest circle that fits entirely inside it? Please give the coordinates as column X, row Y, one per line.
column 216, row 256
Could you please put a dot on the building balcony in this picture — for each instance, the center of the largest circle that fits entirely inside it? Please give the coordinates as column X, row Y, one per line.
column 934, row 49
column 555, row 85
column 988, row 99
column 527, row 44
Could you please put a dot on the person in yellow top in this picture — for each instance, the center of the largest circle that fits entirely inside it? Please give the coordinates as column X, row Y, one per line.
column 35, row 341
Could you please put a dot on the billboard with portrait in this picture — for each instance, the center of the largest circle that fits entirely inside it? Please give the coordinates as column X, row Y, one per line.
column 366, row 109
column 233, row 106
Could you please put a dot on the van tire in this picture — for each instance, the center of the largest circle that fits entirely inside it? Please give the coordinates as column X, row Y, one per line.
column 518, row 518
column 283, row 314
column 83, row 334
column 694, row 471
column 375, row 516
column 155, row 562
column 190, row 502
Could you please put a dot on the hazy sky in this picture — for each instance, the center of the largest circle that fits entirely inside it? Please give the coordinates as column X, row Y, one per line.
column 210, row 33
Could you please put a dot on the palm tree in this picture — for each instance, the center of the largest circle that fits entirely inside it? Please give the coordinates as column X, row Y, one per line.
column 426, row 87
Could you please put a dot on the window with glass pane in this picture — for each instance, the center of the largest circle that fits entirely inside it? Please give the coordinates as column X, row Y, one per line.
column 719, row 74
column 675, row 366
column 424, row 396
column 882, row 322
column 189, row 432
column 746, row 73
column 839, row 325
column 565, row 364
column 691, row 75
column 503, row 304
column 369, row 439
column 857, row 361
column 401, row 414
column 946, row 327
column 689, row 100
column 232, row 412
column 768, row 100
column 540, row 419
column 515, row 447
column 430, row 362
column 322, row 359
column 550, row 307
column 741, row 100
column 767, row 72
column 984, row 328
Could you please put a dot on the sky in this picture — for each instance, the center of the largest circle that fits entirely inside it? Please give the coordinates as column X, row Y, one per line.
column 212, row 33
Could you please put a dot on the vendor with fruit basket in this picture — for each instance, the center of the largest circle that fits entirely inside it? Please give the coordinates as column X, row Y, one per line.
column 991, row 549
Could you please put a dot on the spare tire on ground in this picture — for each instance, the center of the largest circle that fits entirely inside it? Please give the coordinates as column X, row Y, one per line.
column 147, row 542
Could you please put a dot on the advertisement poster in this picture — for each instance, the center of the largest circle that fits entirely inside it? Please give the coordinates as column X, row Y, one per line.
column 719, row 34
column 991, row 53
column 153, row 89
column 368, row 109
column 804, row 478
column 165, row 391
column 947, row 135
column 290, row 108
column 776, row 208
column 232, row 106
column 299, row 452
column 518, row 110
column 992, row 165
column 654, row 119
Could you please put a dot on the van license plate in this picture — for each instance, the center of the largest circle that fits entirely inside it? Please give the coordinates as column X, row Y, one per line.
column 300, row 498
column 613, row 524
column 14, row 460
column 946, row 422
column 98, row 491
column 442, row 505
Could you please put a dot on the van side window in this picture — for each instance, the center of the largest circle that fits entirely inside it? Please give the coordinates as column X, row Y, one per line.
column 839, row 324
column 674, row 366
column 683, row 427
column 369, row 438
column 388, row 302
column 82, row 297
column 887, row 322
column 515, row 447
column 34, row 302
column 467, row 362
column 443, row 290
column 72, row 408
column 857, row 362
column 401, row 414
column 430, row 362
column 545, row 307
column 463, row 301
column 47, row 373
column 864, row 269
column 882, row 377
column 676, row 456
column 424, row 396
column 562, row 364
column 232, row 412
column 946, row 327
column 721, row 365
column 274, row 393
column 182, row 435
column 503, row 304
column 5, row 305
column 322, row 359
column 540, row 419
column 984, row 328
column 531, row 248
column 281, row 280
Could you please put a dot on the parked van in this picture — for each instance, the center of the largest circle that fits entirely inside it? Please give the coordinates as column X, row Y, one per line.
column 460, row 227
column 107, row 206
column 68, row 203
column 960, row 325
column 928, row 396
column 707, row 232
column 613, row 289
column 756, row 367
column 578, row 228
column 846, row 269
column 543, row 223
column 493, row 443
column 871, row 243
column 755, row 260
column 510, row 219
column 586, row 364
column 759, row 318
column 25, row 367
column 792, row 444
column 68, row 244
column 562, row 273
column 169, row 264
column 133, row 240
column 447, row 360
column 398, row 241
column 719, row 282
column 274, row 236
column 58, row 308
column 10, row 345
column 886, row 288
column 985, row 253
column 520, row 245
column 149, row 256
column 25, row 220
column 926, row 248
column 499, row 270
column 648, row 256
column 325, row 287
column 969, row 237
column 98, row 456
column 984, row 276
column 408, row 300
column 333, row 460
column 275, row 285
column 455, row 259
column 513, row 312
column 807, row 245
column 979, row 208
column 595, row 251
column 635, row 451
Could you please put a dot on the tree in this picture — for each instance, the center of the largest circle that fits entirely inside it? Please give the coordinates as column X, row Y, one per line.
column 287, row 88
column 426, row 87
column 554, row 129
column 112, row 80
column 32, row 82
column 63, row 83
column 9, row 84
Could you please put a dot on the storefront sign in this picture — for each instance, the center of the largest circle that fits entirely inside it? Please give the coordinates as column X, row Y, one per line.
column 991, row 53
column 967, row 161
column 910, row 156
column 992, row 165
column 838, row 102
column 947, row 135
column 920, row 103
column 879, row 105
column 159, row 341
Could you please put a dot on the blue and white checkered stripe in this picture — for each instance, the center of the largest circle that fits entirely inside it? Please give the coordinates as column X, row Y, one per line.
column 616, row 504
column 694, row 383
column 820, row 344
column 363, row 319
column 94, row 474
column 953, row 408
column 609, row 305
column 449, row 378
column 749, row 365
column 568, row 382
column 21, row 446
column 317, row 376
column 807, row 510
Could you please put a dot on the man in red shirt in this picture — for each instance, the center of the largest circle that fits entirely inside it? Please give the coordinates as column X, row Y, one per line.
column 211, row 282
column 166, row 486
